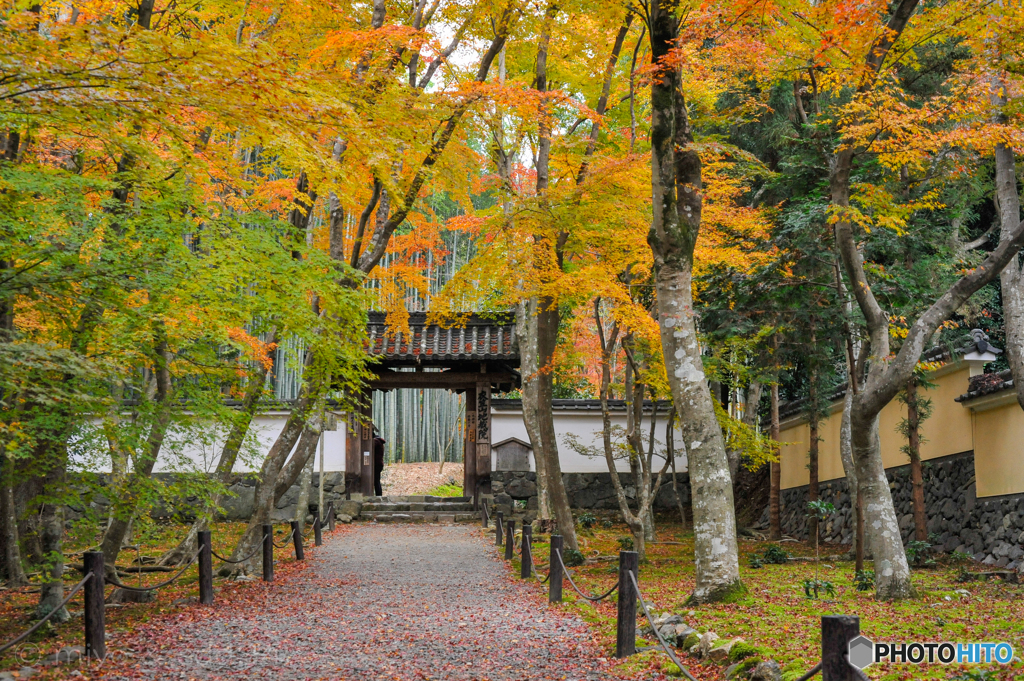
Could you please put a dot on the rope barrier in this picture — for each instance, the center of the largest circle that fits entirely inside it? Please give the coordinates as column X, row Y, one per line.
column 48, row 615
column 568, row 575
column 286, row 540
column 161, row 585
column 240, row 560
column 647, row 614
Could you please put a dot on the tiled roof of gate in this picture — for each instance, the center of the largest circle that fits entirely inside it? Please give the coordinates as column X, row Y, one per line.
column 479, row 339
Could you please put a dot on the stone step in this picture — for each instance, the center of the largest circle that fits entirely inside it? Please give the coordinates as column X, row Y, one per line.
column 419, row 516
column 386, row 507
column 418, row 498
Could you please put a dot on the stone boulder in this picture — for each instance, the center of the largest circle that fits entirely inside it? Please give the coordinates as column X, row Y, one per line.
column 767, row 670
column 707, row 642
column 720, row 652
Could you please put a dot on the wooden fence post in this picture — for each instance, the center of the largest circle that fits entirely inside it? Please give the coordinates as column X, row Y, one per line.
column 526, row 566
column 297, row 540
column 95, row 638
column 555, row 570
column 318, row 537
column 205, row 568
column 499, row 529
column 268, row 553
column 330, row 516
column 483, row 514
column 625, row 628
column 510, row 538
column 836, row 633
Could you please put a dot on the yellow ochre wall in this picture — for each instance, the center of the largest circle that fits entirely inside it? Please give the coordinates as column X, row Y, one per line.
column 999, row 450
column 948, row 431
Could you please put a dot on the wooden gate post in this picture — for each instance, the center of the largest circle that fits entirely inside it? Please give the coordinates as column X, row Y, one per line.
column 318, row 538
column 555, row 570
column 526, row 567
column 625, row 628
column 330, row 516
column 469, row 449
column 510, row 538
column 836, row 633
column 268, row 553
column 499, row 528
column 366, row 444
column 297, row 540
column 205, row 568
column 94, row 615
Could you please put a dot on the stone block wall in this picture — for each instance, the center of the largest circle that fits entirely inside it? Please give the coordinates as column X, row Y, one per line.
column 990, row 529
column 586, row 491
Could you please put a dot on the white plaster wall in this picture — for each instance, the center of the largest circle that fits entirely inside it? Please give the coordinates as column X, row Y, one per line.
column 186, row 451
column 586, row 425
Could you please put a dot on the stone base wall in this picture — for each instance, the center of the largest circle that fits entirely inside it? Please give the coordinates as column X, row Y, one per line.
column 990, row 529
column 587, row 491
column 236, row 506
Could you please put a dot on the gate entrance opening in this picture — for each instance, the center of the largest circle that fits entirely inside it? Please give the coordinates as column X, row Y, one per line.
column 475, row 358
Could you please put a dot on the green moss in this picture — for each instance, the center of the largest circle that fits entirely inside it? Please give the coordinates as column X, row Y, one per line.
column 691, row 640
column 671, row 670
column 745, row 668
column 727, row 593
column 743, row 650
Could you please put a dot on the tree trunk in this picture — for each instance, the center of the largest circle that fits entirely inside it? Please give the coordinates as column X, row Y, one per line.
column 1011, row 279
column 774, row 494
column 305, row 482
column 51, row 536
column 677, row 202
column 914, row 450
column 846, row 456
column 526, row 331
column 267, row 481
column 12, row 570
column 812, row 453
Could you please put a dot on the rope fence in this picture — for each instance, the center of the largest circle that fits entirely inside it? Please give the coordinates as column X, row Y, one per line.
column 836, row 630
column 96, row 577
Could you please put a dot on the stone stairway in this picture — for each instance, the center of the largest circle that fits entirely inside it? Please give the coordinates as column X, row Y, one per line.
column 418, row 509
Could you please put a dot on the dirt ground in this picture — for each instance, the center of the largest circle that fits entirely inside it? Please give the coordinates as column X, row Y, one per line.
column 418, row 478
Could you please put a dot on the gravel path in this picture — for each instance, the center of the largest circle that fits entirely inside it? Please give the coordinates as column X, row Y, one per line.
column 378, row 602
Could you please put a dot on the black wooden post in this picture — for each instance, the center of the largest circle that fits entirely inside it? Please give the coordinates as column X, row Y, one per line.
column 499, row 529
column 555, row 570
column 205, row 568
column 95, row 639
column 318, row 538
column 510, row 539
column 836, row 633
column 526, row 567
column 625, row 631
column 297, row 540
column 268, row 553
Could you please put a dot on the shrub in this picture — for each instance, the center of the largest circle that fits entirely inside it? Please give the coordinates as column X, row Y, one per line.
column 917, row 553
column 755, row 562
column 864, row 580
column 775, row 555
column 625, row 543
column 572, row 558
column 586, row 520
column 814, row 587
column 607, row 524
